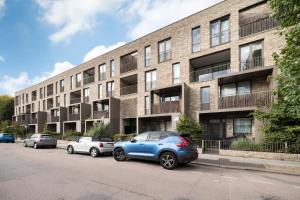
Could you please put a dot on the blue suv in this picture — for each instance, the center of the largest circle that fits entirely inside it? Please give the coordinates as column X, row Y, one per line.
column 169, row 148
column 7, row 137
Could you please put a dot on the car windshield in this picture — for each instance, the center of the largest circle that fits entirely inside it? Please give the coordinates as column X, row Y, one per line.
column 102, row 139
column 46, row 136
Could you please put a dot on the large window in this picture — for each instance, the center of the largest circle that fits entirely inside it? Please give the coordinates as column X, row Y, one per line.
column 147, row 56
column 110, row 89
column 220, row 31
column 242, row 126
column 147, row 105
column 150, row 80
column 176, row 73
column 86, row 95
column 112, row 68
column 78, row 80
column 251, row 56
column 233, row 89
column 72, row 82
column 62, row 85
column 100, row 91
column 164, row 50
column 102, row 70
column 205, row 98
column 196, row 39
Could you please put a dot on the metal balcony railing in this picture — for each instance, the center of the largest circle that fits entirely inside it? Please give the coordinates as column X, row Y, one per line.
column 75, row 100
column 166, row 107
column 258, row 26
column 110, row 93
column 54, row 118
column 128, row 66
column 88, row 79
column 205, row 106
column 129, row 90
column 252, row 63
column 101, row 114
column 246, row 100
column 33, row 121
column 49, row 92
column 49, row 106
column 74, row 117
column 210, row 73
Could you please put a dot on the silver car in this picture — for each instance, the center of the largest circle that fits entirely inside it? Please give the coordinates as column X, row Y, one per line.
column 91, row 145
column 39, row 140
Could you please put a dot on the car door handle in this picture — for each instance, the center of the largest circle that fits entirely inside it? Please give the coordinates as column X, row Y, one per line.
column 160, row 144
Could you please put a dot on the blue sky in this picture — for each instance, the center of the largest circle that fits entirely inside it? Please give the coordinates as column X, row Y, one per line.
column 41, row 38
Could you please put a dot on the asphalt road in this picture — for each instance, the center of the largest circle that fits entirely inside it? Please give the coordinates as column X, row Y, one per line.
column 43, row 174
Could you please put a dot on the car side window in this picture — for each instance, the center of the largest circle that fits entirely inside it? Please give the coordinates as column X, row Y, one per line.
column 154, row 136
column 141, row 137
column 33, row 136
column 85, row 139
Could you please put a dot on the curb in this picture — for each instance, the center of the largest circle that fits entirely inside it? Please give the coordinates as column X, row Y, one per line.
column 262, row 168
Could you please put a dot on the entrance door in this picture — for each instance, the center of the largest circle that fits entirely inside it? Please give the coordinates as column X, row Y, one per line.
column 215, row 129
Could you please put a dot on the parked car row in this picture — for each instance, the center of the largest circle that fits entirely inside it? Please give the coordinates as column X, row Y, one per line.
column 168, row 148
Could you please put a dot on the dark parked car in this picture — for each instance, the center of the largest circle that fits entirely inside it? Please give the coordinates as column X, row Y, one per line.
column 7, row 137
column 169, row 148
column 39, row 140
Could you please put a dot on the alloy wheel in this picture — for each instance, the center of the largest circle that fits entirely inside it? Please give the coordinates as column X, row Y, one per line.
column 168, row 160
column 119, row 155
column 94, row 152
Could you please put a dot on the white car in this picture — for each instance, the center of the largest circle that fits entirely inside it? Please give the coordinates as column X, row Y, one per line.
column 91, row 145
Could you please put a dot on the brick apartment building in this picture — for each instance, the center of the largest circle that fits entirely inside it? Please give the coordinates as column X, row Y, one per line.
column 213, row 65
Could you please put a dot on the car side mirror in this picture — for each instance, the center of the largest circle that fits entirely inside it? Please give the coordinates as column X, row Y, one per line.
column 132, row 140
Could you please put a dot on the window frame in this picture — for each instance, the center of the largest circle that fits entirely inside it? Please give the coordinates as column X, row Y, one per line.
column 146, row 64
column 178, row 78
column 193, row 44
column 219, row 35
column 164, row 42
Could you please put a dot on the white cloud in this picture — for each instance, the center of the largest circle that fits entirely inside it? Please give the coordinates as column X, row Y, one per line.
column 155, row 14
column 9, row 85
column 71, row 17
column 101, row 49
column 2, row 7
column 2, row 59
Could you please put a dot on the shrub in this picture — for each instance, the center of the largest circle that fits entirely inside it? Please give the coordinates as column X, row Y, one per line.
column 71, row 135
column 99, row 129
column 188, row 126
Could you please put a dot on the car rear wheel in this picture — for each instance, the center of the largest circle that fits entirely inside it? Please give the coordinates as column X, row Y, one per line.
column 94, row 152
column 168, row 160
column 70, row 150
column 35, row 146
column 24, row 144
column 119, row 155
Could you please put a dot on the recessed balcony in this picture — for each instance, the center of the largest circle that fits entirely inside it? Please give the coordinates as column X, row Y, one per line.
column 128, row 62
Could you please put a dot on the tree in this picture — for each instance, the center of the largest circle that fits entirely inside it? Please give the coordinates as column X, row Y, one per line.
column 188, row 126
column 282, row 120
column 6, row 107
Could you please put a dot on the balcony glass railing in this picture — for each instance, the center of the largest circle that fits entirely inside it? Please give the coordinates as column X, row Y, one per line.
column 210, row 73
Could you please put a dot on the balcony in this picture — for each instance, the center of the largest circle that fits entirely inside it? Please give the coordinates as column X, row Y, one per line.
column 54, row 118
column 164, row 56
column 74, row 117
column 205, row 106
column 33, row 121
column 128, row 62
column 110, row 93
column 210, row 73
column 75, row 100
column 258, row 26
column 252, row 63
column 88, row 79
column 101, row 114
column 166, row 107
column 259, row 99
column 129, row 90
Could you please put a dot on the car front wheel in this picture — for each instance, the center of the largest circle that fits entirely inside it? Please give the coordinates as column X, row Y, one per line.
column 70, row 150
column 35, row 146
column 24, row 144
column 94, row 152
column 168, row 160
column 119, row 155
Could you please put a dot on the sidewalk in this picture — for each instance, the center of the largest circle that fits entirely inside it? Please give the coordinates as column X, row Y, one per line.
column 276, row 166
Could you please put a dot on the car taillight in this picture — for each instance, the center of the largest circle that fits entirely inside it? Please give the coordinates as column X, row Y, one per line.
column 183, row 143
column 101, row 145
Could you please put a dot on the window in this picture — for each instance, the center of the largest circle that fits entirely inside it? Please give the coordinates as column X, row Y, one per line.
column 141, row 137
column 150, row 80
column 56, row 86
column 102, row 70
column 100, row 91
column 62, row 86
column 251, row 56
column 154, row 136
column 147, row 56
column 147, row 105
column 72, row 82
column 169, row 98
column 110, row 89
column 205, row 98
column 219, row 31
column 78, row 80
column 57, row 101
column 242, row 126
column 32, row 107
column 176, row 73
column 75, row 110
column 26, row 98
column 233, row 89
column 112, row 68
column 196, row 39
column 86, row 95
column 39, row 105
column 164, row 50
column 65, row 99
column 44, row 105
